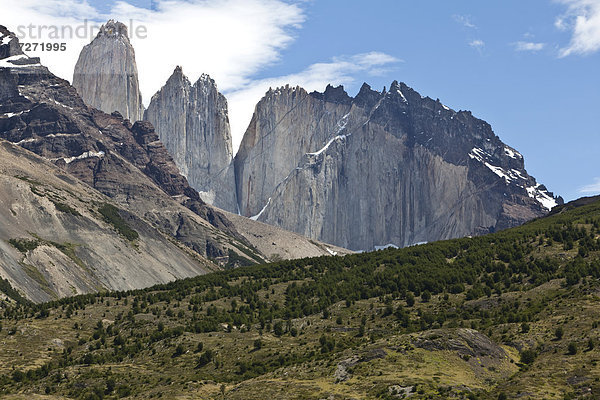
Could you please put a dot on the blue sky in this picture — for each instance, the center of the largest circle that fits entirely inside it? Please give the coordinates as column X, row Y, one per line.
column 529, row 68
column 546, row 106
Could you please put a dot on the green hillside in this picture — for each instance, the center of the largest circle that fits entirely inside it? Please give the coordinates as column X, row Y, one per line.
column 514, row 314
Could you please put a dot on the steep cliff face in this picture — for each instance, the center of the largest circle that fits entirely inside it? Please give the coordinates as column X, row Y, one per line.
column 287, row 123
column 192, row 123
column 380, row 168
column 106, row 74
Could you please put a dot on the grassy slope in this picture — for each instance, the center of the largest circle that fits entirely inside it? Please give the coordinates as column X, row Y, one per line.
column 335, row 327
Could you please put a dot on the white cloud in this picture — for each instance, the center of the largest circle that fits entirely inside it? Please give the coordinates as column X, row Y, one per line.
column 477, row 44
column 582, row 19
column 339, row 71
column 231, row 40
column 32, row 20
column 529, row 46
column 591, row 188
column 464, row 20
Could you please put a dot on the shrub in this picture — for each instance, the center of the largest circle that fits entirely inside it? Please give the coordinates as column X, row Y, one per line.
column 425, row 296
column 179, row 350
column 528, row 356
column 111, row 215
column 24, row 245
column 65, row 208
column 205, row 358
column 199, row 347
column 278, row 328
column 572, row 349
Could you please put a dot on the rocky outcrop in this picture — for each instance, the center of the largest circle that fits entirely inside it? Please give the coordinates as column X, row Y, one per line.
column 381, row 168
column 193, row 125
column 106, row 74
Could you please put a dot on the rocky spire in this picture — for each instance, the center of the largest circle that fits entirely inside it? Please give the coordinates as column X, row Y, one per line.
column 193, row 124
column 106, row 74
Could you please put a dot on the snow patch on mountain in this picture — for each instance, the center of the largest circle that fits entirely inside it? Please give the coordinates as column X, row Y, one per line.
column 257, row 216
column 537, row 192
column 512, row 153
column 541, row 196
column 339, row 137
column 84, row 155
column 18, row 61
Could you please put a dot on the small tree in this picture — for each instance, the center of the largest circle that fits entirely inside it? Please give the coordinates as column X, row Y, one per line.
column 205, row 358
column 179, row 350
column 410, row 300
column 572, row 349
column 559, row 332
column 278, row 328
column 591, row 344
column 528, row 356
column 361, row 331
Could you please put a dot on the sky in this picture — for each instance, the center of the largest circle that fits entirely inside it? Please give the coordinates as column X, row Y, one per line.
column 529, row 68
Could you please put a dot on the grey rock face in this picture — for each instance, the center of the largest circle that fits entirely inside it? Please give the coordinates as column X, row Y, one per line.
column 287, row 123
column 380, row 168
column 106, row 74
column 193, row 124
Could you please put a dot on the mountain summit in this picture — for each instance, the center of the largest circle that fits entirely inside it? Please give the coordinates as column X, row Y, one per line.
column 381, row 168
column 193, row 124
column 106, row 74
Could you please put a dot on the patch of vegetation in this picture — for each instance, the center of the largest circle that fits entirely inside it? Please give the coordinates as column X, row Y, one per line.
column 111, row 215
column 34, row 189
column 68, row 249
column 27, row 179
column 250, row 251
column 8, row 290
column 466, row 318
column 236, row 261
column 24, row 245
column 65, row 208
